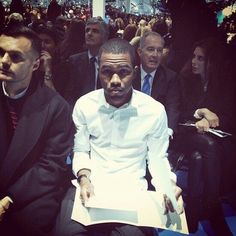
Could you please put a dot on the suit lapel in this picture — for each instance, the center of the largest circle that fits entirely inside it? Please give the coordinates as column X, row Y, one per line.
column 157, row 83
column 3, row 129
column 27, row 133
column 87, row 75
column 137, row 81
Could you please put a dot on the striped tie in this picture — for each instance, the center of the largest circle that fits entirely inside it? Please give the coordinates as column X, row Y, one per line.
column 146, row 88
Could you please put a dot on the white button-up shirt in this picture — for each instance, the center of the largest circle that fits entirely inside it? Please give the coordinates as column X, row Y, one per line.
column 114, row 143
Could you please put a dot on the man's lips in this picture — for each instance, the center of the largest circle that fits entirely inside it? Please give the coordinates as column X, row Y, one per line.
column 153, row 61
column 5, row 72
column 115, row 90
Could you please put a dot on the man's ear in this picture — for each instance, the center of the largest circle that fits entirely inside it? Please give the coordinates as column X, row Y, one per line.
column 139, row 51
column 36, row 64
column 135, row 72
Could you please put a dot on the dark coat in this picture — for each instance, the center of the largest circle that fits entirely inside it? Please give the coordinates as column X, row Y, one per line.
column 218, row 98
column 81, row 77
column 165, row 89
column 33, row 168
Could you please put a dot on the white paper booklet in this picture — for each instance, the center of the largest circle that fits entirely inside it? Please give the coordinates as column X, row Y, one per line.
column 142, row 208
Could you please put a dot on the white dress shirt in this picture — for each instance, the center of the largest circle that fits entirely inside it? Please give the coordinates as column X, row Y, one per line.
column 114, row 143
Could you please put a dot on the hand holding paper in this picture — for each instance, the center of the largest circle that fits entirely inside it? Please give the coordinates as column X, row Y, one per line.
column 86, row 190
column 168, row 204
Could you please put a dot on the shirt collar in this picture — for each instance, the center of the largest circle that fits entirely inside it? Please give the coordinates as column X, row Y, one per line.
column 105, row 104
column 144, row 73
column 90, row 56
column 17, row 96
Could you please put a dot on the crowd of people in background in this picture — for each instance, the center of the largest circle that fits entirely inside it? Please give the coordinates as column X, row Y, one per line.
column 190, row 62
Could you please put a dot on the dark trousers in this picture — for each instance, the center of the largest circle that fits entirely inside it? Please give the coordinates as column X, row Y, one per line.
column 65, row 226
column 207, row 157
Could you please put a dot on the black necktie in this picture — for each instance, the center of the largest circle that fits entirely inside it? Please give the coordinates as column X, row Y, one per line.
column 93, row 60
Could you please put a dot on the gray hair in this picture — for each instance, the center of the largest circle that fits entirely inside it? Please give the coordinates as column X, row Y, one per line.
column 150, row 33
column 102, row 24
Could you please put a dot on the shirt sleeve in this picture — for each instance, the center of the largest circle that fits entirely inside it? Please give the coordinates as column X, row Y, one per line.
column 81, row 158
column 158, row 162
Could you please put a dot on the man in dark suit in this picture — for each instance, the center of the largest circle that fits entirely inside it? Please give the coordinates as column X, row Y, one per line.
column 36, row 137
column 83, row 67
column 157, row 80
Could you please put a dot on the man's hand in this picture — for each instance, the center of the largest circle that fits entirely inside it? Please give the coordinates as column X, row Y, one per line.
column 4, row 205
column 86, row 189
column 202, row 125
column 168, row 203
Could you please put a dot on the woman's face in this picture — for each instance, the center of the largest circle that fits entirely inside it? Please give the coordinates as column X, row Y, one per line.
column 48, row 44
column 198, row 62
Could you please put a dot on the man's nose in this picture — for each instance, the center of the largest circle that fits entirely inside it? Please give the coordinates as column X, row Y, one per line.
column 115, row 79
column 6, row 61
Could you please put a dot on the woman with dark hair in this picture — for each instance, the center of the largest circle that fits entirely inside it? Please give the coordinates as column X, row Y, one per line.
column 50, row 68
column 207, row 103
column 74, row 41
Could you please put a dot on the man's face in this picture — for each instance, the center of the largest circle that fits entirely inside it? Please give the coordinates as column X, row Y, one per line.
column 17, row 60
column 116, row 73
column 151, row 53
column 93, row 35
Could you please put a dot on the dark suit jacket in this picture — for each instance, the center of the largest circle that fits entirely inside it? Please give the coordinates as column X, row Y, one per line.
column 81, row 77
column 165, row 89
column 33, row 170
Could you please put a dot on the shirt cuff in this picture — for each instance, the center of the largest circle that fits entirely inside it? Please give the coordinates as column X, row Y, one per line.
column 170, row 132
column 81, row 160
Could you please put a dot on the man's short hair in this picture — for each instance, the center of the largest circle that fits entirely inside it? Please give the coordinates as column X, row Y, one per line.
column 118, row 46
column 149, row 33
column 102, row 24
column 26, row 32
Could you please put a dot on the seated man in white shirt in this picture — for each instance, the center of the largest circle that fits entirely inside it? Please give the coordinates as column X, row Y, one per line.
column 118, row 129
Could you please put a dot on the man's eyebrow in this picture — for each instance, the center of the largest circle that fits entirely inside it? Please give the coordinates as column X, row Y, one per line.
column 118, row 66
column 15, row 52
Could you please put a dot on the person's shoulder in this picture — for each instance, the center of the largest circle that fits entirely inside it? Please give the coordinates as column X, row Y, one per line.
column 51, row 97
column 169, row 72
column 144, row 100
column 77, row 56
column 91, row 98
